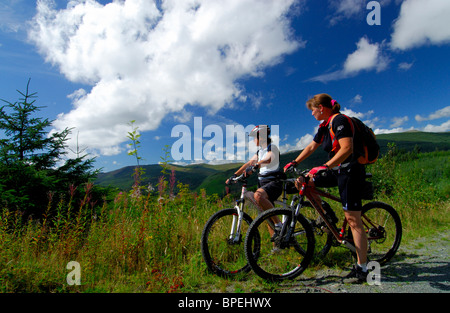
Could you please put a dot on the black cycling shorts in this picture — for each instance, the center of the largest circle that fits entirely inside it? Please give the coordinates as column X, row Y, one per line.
column 273, row 188
column 349, row 180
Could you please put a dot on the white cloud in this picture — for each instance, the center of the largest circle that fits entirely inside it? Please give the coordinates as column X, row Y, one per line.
column 358, row 115
column 442, row 113
column 399, row 121
column 444, row 127
column 421, row 22
column 405, row 66
column 379, row 131
column 300, row 144
column 357, row 99
column 344, row 9
column 183, row 116
column 146, row 60
column 366, row 57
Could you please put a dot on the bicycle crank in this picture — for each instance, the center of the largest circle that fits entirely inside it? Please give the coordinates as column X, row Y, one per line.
column 348, row 245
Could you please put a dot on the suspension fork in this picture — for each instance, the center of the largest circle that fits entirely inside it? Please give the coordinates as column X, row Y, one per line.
column 235, row 232
column 287, row 229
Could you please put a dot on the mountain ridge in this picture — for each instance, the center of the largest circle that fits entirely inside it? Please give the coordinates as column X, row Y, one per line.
column 212, row 177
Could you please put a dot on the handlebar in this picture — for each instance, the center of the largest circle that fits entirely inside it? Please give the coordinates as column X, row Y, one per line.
column 297, row 171
column 304, row 173
column 240, row 178
column 293, row 170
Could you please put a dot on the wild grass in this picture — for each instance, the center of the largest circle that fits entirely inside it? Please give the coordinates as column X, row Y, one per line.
column 150, row 241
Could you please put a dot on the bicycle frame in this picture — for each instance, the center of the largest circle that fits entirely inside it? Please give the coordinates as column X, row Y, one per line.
column 235, row 231
column 309, row 192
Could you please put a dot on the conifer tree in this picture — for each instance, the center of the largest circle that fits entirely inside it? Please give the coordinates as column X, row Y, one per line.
column 31, row 158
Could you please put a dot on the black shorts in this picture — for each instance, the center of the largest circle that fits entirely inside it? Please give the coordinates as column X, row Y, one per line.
column 350, row 181
column 272, row 188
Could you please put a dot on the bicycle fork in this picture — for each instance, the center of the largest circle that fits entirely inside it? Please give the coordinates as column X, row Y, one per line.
column 287, row 230
column 235, row 232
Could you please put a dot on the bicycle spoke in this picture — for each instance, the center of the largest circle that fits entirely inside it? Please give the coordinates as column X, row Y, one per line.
column 384, row 231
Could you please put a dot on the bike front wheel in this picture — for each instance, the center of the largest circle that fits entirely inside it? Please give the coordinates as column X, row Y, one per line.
column 222, row 244
column 268, row 256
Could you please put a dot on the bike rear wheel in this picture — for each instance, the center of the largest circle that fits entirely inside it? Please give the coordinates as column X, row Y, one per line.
column 273, row 260
column 384, row 231
column 223, row 251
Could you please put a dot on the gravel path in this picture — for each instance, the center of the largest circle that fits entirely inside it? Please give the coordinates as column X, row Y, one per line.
column 420, row 267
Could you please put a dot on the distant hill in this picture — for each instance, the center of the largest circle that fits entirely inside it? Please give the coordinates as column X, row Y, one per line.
column 408, row 140
column 212, row 177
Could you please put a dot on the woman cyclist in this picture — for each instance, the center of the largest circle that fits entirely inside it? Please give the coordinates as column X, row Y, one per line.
column 267, row 160
column 340, row 170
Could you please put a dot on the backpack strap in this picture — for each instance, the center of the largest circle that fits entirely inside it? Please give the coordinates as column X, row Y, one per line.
column 334, row 142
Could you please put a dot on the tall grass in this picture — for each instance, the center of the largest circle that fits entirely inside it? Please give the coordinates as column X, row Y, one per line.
column 138, row 242
column 418, row 186
column 146, row 241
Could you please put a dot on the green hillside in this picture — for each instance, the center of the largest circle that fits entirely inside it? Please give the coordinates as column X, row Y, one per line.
column 427, row 142
column 212, row 177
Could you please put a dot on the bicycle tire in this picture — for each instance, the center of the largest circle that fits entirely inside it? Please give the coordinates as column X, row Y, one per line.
column 385, row 232
column 221, row 257
column 285, row 263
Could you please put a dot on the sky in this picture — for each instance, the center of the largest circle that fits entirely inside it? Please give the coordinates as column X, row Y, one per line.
column 185, row 71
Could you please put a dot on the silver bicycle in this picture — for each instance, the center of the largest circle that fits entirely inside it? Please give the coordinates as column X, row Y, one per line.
column 223, row 237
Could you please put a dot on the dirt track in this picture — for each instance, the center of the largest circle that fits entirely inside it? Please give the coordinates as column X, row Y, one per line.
column 420, row 267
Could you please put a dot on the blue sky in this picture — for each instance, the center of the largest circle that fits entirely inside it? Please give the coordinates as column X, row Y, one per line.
column 97, row 65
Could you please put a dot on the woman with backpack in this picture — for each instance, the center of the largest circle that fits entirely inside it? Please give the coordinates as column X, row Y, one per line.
column 335, row 135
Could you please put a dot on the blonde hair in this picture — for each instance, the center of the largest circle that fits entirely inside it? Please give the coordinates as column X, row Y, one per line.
column 325, row 100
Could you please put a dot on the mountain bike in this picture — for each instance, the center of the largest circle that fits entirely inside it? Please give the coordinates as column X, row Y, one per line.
column 223, row 236
column 276, row 258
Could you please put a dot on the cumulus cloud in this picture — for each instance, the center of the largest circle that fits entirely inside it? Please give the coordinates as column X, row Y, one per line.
column 399, row 121
column 444, row 127
column 421, row 22
column 441, row 113
column 358, row 115
column 299, row 144
column 146, row 59
column 366, row 57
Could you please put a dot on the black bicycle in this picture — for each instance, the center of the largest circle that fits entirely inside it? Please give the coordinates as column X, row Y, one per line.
column 287, row 254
